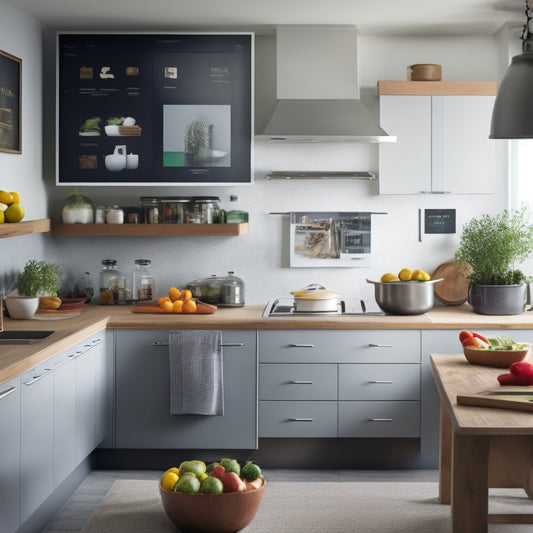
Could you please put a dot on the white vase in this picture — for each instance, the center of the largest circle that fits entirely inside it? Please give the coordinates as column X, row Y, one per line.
column 22, row 307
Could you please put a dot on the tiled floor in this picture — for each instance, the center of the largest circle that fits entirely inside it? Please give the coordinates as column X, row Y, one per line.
column 92, row 490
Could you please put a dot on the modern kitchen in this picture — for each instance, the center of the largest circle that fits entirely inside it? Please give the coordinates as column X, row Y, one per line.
column 282, row 230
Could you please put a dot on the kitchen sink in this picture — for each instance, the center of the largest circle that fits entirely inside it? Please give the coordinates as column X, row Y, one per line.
column 23, row 337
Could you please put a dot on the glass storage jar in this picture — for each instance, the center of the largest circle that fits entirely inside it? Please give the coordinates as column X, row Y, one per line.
column 232, row 291
column 143, row 280
column 110, row 282
column 202, row 209
column 151, row 206
column 174, row 209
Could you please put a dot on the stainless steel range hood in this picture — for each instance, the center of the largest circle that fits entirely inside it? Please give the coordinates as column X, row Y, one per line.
column 317, row 89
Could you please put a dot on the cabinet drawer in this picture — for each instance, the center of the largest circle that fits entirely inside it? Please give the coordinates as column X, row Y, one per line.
column 297, row 419
column 334, row 346
column 379, row 419
column 379, row 382
column 297, row 382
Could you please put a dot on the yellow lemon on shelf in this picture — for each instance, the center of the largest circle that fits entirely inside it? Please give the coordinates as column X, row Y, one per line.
column 388, row 277
column 2, row 218
column 15, row 197
column 6, row 197
column 420, row 275
column 405, row 274
column 14, row 213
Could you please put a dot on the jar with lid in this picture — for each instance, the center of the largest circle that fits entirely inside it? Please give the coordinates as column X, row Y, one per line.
column 174, row 209
column 151, row 206
column 114, row 215
column 110, row 282
column 143, row 280
column 202, row 209
column 232, row 291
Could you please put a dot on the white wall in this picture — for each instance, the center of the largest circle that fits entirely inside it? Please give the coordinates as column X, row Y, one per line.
column 21, row 36
column 260, row 257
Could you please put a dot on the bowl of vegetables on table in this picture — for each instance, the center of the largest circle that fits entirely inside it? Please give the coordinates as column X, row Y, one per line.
column 499, row 352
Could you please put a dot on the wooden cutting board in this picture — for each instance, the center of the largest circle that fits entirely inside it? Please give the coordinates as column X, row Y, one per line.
column 153, row 308
column 453, row 289
column 517, row 398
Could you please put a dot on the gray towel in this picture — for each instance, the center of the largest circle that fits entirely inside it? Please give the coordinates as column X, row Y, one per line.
column 196, row 372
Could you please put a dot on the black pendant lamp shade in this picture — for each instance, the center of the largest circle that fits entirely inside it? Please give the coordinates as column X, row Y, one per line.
column 512, row 116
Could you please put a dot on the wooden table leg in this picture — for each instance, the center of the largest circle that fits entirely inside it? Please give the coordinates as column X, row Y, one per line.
column 445, row 457
column 470, row 491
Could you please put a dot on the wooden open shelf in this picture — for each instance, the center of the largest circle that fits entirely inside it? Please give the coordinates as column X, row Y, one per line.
column 149, row 230
column 454, row 88
column 24, row 228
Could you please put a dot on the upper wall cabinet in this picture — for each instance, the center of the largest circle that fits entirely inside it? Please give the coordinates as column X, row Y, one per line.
column 442, row 131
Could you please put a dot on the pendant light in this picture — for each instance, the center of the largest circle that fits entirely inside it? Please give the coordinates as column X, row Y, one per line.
column 512, row 116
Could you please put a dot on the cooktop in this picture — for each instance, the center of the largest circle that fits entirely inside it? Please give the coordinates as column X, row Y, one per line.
column 285, row 307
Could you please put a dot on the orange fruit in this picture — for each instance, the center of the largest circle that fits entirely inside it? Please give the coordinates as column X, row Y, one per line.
column 162, row 300
column 186, row 295
column 189, row 306
column 174, row 293
column 167, row 307
column 177, row 306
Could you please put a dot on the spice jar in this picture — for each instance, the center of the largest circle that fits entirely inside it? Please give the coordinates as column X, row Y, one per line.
column 174, row 209
column 143, row 280
column 110, row 280
column 202, row 209
column 114, row 215
column 151, row 209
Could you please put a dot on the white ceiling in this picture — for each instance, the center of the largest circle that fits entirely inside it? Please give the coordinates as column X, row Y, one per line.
column 261, row 16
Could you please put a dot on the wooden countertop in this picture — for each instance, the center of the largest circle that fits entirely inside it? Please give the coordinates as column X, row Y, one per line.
column 16, row 359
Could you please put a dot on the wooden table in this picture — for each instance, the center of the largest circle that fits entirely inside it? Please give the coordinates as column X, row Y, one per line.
column 480, row 447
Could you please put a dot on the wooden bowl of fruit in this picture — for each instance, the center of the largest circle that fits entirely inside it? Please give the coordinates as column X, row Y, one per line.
column 498, row 352
column 216, row 510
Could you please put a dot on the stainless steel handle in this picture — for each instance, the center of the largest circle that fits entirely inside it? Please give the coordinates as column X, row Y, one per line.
column 75, row 355
column 372, row 345
column 35, row 379
column 380, row 419
column 301, row 345
column 301, row 382
column 224, row 344
column 381, row 381
column 7, row 392
column 301, row 419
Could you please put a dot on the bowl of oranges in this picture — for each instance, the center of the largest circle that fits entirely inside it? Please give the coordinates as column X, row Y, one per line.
column 222, row 497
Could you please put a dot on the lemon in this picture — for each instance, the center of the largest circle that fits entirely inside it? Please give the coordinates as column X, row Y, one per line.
column 388, row 277
column 405, row 274
column 168, row 480
column 5, row 197
column 2, row 218
column 14, row 213
column 15, row 197
column 420, row 275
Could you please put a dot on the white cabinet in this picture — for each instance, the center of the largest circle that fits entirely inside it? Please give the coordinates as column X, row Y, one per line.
column 10, row 455
column 331, row 383
column 442, row 139
column 142, row 415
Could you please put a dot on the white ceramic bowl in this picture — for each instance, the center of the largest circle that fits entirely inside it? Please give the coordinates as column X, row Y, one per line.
column 21, row 307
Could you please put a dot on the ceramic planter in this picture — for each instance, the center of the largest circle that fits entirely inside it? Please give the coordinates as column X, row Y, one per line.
column 497, row 299
column 22, row 307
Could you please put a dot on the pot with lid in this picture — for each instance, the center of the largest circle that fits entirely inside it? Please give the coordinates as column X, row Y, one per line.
column 226, row 291
column 315, row 298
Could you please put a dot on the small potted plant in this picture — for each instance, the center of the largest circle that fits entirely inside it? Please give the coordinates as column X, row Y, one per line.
column 494, row 247
column 38, row 278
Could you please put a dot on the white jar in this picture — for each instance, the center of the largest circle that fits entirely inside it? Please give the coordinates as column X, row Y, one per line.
column 115, row 215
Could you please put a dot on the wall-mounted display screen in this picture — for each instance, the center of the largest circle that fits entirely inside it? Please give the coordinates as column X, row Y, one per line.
column 154, row 109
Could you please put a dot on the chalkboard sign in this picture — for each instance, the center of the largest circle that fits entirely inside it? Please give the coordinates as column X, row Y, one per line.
column 439, row 220
column 154, row 109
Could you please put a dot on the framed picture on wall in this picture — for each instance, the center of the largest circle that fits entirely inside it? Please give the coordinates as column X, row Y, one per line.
column 10, row 103
column 154, row 109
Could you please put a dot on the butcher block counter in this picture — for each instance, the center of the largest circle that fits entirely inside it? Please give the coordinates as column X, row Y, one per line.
column 16, row 359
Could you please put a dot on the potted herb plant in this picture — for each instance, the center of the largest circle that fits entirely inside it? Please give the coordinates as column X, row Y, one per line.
column 38, row 278
column 494, row 247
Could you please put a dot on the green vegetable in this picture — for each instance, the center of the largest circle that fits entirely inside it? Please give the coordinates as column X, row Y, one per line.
column 91, row 125
column 115, row 121
column 505, row 343
column 231, row 465
column 250, row 471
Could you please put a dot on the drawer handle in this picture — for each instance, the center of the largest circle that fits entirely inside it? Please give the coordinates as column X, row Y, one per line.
column 372, row 345
column 7, row 392
column 385, row 381
column 35, row 379
column 380, row 419
column 224, row 344
column 301, row 419
column 301, row 382
column 301, row 345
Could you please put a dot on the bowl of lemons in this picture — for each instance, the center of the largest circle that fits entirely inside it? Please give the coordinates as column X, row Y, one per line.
column 409, row 292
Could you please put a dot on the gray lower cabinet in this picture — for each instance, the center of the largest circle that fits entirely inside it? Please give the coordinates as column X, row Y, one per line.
column 10, row 455
column 331, row 383
column 142, row 395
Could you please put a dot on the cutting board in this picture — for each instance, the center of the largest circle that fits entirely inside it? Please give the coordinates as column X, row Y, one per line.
column 153, row 308
column 517, row 398
column 453, row 289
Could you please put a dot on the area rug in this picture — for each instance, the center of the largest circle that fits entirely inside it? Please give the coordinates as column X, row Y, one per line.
column 334, row 507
